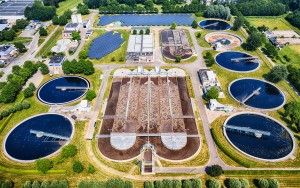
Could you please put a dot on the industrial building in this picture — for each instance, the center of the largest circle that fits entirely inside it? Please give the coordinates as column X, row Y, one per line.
column 13, row 9
column 140, row 49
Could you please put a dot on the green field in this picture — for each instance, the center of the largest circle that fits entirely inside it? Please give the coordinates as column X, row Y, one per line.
column 67, row 4
column 273, row 23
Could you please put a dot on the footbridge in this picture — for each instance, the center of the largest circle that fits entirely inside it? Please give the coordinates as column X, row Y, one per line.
column 65, row 88
column 247, row 130
column 255, row 92
column 146, row 135
column 40, row 134
column 250, row 59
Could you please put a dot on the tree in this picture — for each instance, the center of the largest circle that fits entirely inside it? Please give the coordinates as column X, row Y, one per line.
column 198, row 35
column 270, row 50
column 83, row 54
column 21, row 47
column 262, row 183
column 148, row 184
column 69, row 151
column 277, row 74
column 173, row 26
column 91, row 169
column 254, row 41
column 238, row 23
column 39, row 12
column 147, row 31
column 214, row 170
column 213, row 183
column 209, row 59
column 177, row 59
column 29, row 91
column 141, row 32
column 217, row 11
column 194, row 24
column 27, row 184
column 21, row 24
column 90, row 95
column 212, row 93
column 43, row 68
column 36, row 184
column 44, row 165
column 77, row 167
column 293, row 113
column 187, row 184
column 196, row 183
column 245, row 183
column 43, row 31
column 76, row 35
column 83, row 9
column 9, row 35
column 134, row 32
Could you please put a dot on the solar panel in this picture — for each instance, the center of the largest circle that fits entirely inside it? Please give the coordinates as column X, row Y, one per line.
column 105, row 44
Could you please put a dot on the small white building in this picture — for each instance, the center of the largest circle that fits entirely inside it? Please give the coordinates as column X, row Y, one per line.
column 214, row 105
column 140, row 49
column 7, row 53
column 70, row 28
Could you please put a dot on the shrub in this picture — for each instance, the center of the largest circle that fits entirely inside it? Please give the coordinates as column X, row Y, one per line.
column 194, row 24
column 43, row 31
column 90, row 95
column 83, row 54
column 233, row 183
column 214, row 170
column 6, row 184
column 77, row 167
column 273, row 183
column 173, row 26
column 209, row 59
column 148, row 184
column 244, row 183
column 270, row 50
column 29, row 91
column 43, row 68
column 212, row 93
column 69, row 151
column 44, row 165
column 187, row 184
column 91, row 169
column 177, row 59
column 262, row 183
column 277, row 74
column 213, row 183
column 21, row 47
column 78, row 67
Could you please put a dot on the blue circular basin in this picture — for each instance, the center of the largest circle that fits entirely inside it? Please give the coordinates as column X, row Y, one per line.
column 257, row 93
column 259, row 136
column 63, row 90
column 237, row 61
column 214, row 24
column 38, row 137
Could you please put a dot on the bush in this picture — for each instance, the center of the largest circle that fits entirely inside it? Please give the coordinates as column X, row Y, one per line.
column 177, row 59
column 244, row 183
column 173, row 26
column 43, row 31
column 277, row 74
column 29, row 91
column 213, row 183
column 262, row 183
column 91, row 169
column 43, row 68
column 270, row 50
column 78, row 67
column 233, row 183
column 77, row 167
column 209, row 59
column 148, row 184
column 214, row 170
column 69, row 151
column 44, row 165
column 90, row 95
column 83, row 54
column 238, row 23
column 212, row 93
column 6, row 184
column 194, row 24
column 273, row 183
column 21, row 47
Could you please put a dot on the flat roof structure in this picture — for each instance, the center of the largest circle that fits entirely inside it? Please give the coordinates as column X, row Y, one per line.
column 14, row 9
column 140, row 43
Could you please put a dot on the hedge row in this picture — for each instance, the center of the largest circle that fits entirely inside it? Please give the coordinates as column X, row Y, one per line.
column 17, row 107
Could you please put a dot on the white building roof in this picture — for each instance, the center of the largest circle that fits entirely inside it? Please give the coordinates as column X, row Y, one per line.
column 140, row 43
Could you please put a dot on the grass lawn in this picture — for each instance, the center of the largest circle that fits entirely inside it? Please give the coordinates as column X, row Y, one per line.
column 18, row 39
column 118, row 55
column 50, row 43
column 273, row 23
column 291, row 51
column 67, row 4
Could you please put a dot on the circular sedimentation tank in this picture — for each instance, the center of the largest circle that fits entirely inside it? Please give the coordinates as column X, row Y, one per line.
column 257, row 93
column 237, row 61
column 223, row 41
column 214, row 24
column 38, row 136
column 63, row 90
column 259, row 136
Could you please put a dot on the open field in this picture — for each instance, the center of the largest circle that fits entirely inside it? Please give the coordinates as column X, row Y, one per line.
column 67, row 4
column 273, row 23
column 46, row 49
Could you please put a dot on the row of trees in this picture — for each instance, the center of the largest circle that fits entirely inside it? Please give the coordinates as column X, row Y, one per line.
column 6, row 184
column 63, row 19
column 193, row 183
column 217, row 11
column 261, row 8
column 294, row 18
column 10, row 34
column 82, row 66
column 16, row 108
column 38, row 11
column 106, row 184
column 16, row 81
column 46, row 184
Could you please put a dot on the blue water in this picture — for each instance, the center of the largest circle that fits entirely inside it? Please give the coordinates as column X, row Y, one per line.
column 147, row 19
column 49, row 94
column 269, row 96
column 23, row 145
column 224, row 60
column 277, row 145
column 217, row 25
column 105, row 44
